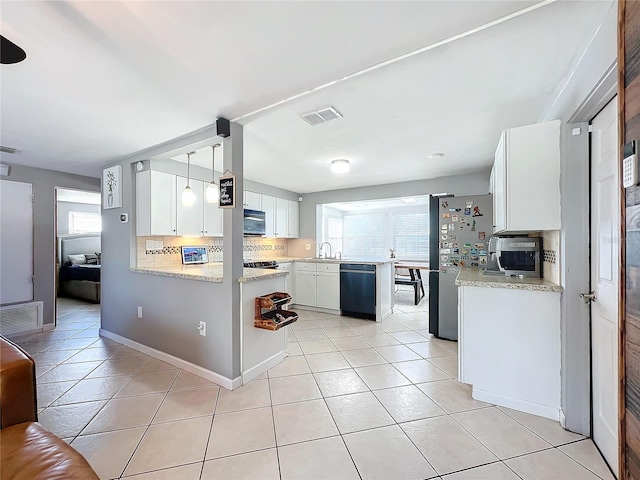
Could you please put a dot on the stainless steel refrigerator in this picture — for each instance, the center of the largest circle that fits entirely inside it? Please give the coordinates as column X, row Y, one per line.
column 460, row 229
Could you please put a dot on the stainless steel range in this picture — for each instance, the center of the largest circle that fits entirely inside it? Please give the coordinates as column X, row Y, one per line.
column 268, row 264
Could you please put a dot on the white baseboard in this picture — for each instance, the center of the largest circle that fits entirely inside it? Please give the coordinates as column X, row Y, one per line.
column 255, row 372
column 221, row 380
column 314, row 309
column 48, row 326
column 546, row 411
column 563, row 419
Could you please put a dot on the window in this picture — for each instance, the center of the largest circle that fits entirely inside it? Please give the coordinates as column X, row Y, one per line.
column 334, row 232
column 411, row 236
column 84, row 222
column 365, row 235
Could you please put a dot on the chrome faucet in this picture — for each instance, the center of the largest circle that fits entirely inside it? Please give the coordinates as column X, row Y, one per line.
column 322, row 245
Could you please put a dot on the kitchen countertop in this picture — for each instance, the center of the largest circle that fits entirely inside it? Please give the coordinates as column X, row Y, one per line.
column 208, row 272
column 473, row 277
column 368, row 261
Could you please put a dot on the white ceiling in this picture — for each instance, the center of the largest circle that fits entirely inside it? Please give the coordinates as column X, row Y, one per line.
column 105, row 79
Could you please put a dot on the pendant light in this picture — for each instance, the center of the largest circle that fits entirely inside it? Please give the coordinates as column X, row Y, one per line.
column 213, row 191
column 188, row 197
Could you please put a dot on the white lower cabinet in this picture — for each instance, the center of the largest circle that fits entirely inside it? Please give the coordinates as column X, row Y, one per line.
column 328, row 290
column 305, row 288
column 288, row 282
column 317, row 285
column 509, row 347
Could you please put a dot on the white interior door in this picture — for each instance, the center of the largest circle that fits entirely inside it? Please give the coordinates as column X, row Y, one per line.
column 16, row 242
column 605, row 245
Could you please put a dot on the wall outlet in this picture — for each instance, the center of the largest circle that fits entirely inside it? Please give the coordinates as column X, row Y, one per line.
column 307, row 246
column 202, row 328
column 158, row 245
column 150, row 245
column 139, row 312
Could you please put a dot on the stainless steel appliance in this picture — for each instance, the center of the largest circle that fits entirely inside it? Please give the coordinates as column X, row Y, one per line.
column 267, row 264
column 358, row 290
column 460, row 229
column 518, row 255
column 254, row 222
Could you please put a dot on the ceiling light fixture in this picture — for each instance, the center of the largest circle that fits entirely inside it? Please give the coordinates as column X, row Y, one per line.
column 188, row 197
column 436, row 155
column 213, row 191
column 340, row 166
column 409, row 200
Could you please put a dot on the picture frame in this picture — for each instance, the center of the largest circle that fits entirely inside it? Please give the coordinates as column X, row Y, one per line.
column 227, row 183
column 112, row 187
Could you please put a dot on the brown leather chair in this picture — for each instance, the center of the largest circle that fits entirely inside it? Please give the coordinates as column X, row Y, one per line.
column 27, row 450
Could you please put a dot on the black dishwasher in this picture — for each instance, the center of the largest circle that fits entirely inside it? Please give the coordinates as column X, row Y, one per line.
column 358, row 290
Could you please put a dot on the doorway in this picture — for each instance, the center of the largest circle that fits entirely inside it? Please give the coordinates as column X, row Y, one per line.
column 78, row 225
column 605, row 270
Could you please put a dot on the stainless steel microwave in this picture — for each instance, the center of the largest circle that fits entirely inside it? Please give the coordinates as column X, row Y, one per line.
column 254, row 222
column 518, row 255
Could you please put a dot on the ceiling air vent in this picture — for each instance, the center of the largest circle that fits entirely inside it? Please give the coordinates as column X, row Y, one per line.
column 4, row 149
column 321, row 116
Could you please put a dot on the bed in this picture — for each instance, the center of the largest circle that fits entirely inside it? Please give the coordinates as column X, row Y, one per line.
column 79, row 261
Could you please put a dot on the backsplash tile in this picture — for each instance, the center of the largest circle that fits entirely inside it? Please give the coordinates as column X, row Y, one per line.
column 551, row 256
column 170, row 254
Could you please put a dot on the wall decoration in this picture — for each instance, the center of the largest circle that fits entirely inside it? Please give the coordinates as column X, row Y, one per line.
column 227, row 184
column 112, row 187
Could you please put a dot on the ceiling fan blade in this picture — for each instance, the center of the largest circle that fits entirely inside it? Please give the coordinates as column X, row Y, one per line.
column 10, row 52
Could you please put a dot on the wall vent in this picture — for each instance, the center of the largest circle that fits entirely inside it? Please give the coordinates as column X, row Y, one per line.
column 22, row 318
column 321, row 116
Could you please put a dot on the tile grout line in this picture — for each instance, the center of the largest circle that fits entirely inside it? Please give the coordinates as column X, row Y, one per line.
column 147, row 427
column 213, row 417
column 273, row 420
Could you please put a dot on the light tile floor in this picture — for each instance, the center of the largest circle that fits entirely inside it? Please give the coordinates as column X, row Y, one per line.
column 354, row 399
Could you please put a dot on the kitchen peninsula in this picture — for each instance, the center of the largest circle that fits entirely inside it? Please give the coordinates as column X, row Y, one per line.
column 509, row 341
column 260, row 349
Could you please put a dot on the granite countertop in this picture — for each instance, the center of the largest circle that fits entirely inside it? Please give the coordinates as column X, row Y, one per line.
column 209, row 272
column 368, row 261
column 473, row 277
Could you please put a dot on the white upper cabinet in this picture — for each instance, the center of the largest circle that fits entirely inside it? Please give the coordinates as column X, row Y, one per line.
column 190, row 220
column 155, row 203
column 293, row 219
column 526, row 179
column 252, row 200
column 282, row 220
column 212, row 220
column 160, row 210
column 269, row 209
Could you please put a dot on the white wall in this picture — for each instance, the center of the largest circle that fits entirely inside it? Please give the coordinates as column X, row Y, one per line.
column 576, row 102
column 44, row 241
